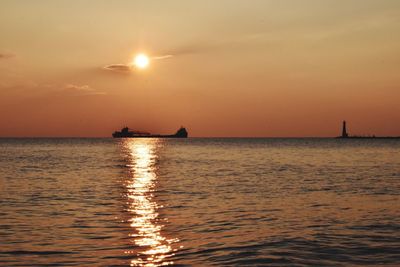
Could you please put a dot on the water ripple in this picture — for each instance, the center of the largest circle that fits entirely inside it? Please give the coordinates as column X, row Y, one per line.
column 199, row 202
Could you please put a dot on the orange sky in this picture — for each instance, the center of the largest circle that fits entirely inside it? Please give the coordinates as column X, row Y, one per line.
column 234, row 68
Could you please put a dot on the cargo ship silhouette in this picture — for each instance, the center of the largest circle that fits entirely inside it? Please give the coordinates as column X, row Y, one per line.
column 128, row 133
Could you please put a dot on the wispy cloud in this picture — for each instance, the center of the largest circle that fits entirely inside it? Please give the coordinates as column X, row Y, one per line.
column 81, row 90
column 122, row 68
column 4, row 55
column 162, row 57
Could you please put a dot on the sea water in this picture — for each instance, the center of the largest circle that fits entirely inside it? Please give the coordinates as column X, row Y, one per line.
column 199, row 202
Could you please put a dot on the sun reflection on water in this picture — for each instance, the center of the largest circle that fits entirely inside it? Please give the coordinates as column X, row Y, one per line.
column 152, row 248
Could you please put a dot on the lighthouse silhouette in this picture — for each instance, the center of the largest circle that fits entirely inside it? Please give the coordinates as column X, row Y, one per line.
column 344, row 130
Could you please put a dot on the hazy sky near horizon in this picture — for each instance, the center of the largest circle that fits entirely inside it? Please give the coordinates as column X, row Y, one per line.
column 220, row 68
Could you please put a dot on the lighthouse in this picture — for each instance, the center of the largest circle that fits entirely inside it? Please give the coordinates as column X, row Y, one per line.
column 344, row 130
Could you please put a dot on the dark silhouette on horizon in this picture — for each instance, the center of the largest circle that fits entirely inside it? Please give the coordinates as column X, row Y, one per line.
column 344, row 130
column 127, row 133
column 345, row 135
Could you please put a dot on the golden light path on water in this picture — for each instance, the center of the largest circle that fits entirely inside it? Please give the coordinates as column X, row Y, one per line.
column 152, row 248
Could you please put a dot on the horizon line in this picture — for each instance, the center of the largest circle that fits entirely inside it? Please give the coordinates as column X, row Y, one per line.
column 249, row 137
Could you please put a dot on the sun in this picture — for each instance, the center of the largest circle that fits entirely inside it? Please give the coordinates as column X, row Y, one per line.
column 141, row 61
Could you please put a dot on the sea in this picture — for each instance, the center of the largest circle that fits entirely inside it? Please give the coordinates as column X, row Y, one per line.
column 199, row 202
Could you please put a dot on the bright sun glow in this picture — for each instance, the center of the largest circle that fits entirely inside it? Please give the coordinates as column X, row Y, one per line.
column 141, row 61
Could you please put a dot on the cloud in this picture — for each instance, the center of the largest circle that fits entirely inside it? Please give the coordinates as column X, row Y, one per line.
column 129, row 68
column 6, row 55
column 162, row 57
column 78, row 87
column 122, row 68
column 199, row 47
column 81, row 90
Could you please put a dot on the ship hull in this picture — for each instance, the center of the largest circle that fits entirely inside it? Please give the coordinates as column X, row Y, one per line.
column 149, row 136
column 126, row 133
